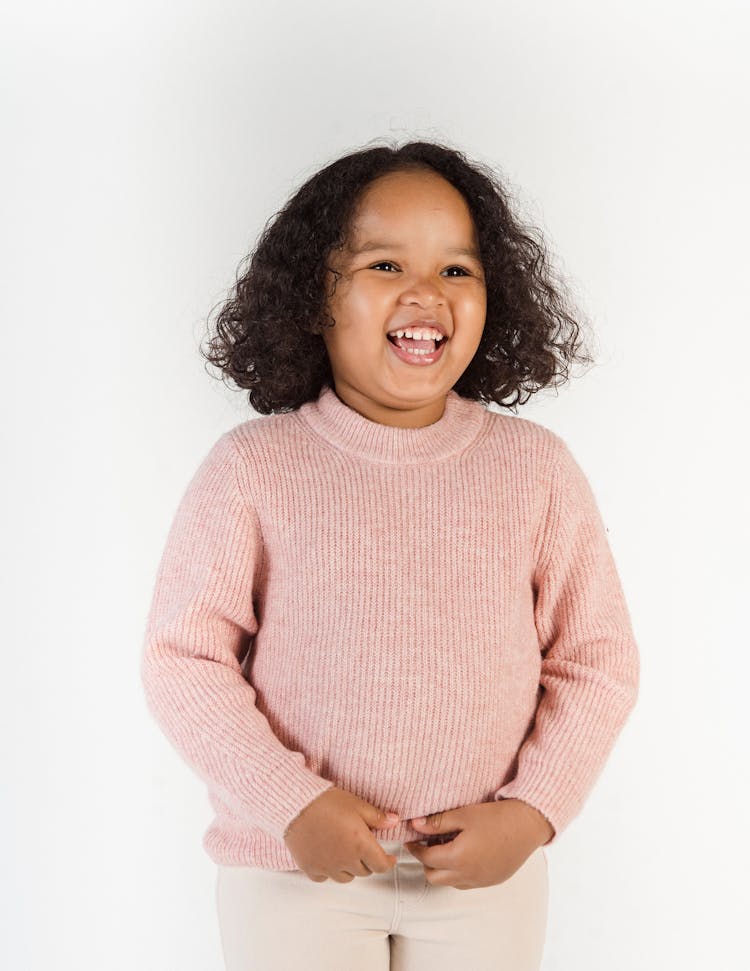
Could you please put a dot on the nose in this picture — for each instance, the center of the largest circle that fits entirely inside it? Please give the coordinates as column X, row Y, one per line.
column 424, row 292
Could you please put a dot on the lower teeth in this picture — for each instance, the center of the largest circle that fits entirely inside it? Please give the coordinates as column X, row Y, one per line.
column 418, row 350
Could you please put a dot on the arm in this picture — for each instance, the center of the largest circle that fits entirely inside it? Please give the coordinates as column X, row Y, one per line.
column 590, row 662
column 200, row 623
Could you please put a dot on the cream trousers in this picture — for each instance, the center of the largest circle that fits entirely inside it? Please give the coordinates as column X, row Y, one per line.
column 271, row 920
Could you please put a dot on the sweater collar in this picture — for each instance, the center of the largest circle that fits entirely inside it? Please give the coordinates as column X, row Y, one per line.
column 347, row 429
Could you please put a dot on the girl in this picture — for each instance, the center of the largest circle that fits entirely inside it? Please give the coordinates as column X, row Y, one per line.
column 387, row 629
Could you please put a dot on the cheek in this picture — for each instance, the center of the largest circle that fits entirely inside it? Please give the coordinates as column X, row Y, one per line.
column 471, row 300
column 357, row 309
column 477, row 300
column 370, row 297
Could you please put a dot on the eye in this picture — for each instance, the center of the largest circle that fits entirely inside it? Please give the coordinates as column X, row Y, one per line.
column 388, row 263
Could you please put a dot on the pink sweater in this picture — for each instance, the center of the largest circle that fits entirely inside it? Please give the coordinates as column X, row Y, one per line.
column 428, row 618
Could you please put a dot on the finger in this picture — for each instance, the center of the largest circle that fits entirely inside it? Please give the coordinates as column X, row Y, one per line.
column 439, row 877
column 378, row 861
column 437, row 857
column 420, row 849
column 361, row 869
column 448, row 837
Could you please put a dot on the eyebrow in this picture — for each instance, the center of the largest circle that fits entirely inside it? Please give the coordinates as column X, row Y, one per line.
column 375, row 245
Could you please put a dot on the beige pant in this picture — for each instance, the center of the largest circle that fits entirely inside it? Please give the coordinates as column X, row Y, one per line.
column 274, row 920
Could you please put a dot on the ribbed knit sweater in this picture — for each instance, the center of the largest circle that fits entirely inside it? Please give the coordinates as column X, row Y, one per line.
column 426, row 617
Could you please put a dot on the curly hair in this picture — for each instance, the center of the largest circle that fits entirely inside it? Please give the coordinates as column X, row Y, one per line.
column 268, row 329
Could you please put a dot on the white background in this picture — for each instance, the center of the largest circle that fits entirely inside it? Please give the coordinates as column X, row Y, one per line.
column 144, row 147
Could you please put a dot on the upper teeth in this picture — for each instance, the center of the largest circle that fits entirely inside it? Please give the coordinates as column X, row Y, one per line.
column 420, row 333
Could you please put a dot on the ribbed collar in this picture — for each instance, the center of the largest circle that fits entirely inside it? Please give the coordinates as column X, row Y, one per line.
column 345, row 428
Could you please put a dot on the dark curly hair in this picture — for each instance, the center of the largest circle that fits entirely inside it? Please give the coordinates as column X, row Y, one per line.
column 268, row 330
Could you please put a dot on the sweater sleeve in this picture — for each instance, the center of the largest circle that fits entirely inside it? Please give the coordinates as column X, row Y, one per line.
column 590, row 662
column 200, row 622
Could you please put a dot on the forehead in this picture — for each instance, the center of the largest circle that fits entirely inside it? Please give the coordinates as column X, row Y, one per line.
column 411, row 203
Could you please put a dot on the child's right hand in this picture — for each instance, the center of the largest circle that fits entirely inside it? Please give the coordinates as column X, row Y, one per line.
column 331, row 838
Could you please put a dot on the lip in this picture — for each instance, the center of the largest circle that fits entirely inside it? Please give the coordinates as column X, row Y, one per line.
column 417, row 360
column 420, row 323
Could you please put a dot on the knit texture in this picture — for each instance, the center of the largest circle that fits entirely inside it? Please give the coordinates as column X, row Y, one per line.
column 428, row 618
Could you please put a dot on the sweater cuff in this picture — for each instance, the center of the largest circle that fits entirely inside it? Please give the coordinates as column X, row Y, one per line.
column 514, row 790
column 274, row 797
column 287, row 790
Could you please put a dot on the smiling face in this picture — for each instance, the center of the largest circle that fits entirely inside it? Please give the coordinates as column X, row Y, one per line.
column 412, row 255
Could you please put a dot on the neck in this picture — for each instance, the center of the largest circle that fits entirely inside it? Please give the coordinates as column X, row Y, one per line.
column 410, row 416
column 343, row 427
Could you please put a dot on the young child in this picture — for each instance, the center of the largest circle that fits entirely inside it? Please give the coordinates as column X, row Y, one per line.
column 381, row 601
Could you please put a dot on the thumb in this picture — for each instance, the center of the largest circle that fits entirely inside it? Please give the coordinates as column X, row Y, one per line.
column 378, row 818
column 443, row 822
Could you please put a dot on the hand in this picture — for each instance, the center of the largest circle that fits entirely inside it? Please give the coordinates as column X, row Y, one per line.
column 493, row 840
column 332, row 837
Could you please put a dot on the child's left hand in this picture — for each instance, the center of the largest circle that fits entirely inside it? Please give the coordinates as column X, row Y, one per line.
column 494, row 839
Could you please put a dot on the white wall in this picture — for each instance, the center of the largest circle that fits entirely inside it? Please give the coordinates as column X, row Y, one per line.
column 144, row 146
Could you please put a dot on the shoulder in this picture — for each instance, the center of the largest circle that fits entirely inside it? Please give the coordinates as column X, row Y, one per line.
column 260, row 449
column 531, row 442
column 265, row 433
column 242, row 444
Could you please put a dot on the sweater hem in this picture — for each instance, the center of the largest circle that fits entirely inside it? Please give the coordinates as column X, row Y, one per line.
column 253, row 847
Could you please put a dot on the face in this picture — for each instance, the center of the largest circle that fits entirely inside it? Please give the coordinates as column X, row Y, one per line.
column 412, row 255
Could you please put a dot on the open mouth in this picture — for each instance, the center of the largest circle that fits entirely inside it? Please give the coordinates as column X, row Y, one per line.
column 417, row 353
column 414, row 346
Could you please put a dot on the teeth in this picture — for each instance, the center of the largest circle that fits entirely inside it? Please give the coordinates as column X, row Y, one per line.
column 422, row 334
